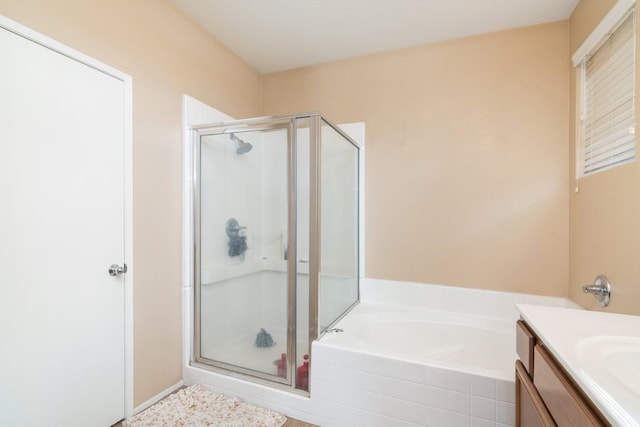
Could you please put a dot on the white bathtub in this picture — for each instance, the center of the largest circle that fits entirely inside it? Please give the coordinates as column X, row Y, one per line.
column 422, row 355
column 466, row 343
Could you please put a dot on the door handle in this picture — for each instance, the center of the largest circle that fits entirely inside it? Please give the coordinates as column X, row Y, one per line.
column 116, row 270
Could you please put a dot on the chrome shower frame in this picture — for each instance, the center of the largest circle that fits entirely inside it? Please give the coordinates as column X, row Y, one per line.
column 315, row 122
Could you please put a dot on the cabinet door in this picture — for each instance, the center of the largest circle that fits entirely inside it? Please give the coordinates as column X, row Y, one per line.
column 525, row 342
column 563, row 400
column 530, row 409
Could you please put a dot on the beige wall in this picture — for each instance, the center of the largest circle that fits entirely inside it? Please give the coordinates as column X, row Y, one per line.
column 605, row 213
column 167, row 55
column 466, row 155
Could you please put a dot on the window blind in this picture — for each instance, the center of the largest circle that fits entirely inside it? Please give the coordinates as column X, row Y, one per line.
column 608, row 116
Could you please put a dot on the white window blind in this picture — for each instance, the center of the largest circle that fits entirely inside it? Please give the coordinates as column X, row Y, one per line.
column 608, row 113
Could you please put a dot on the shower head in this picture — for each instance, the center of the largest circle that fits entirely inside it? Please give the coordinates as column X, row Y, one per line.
column 243, row 147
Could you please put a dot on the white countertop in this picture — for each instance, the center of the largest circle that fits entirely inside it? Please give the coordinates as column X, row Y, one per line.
column 601, row 351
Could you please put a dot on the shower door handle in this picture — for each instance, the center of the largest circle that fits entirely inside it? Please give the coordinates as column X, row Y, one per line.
column 116, row 270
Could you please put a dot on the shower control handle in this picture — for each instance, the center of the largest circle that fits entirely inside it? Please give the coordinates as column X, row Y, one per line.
column 233, row 228
column 116, row 270
column 601, row 290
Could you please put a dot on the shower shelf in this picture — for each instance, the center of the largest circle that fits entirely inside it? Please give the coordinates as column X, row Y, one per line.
column 214, row 274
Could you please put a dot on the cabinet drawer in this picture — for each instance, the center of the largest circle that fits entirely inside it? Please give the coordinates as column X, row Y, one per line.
column 525, row 341
column 566, row 406
column 530, row 409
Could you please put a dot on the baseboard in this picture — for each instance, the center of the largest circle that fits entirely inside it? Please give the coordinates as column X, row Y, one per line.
column 158, row 397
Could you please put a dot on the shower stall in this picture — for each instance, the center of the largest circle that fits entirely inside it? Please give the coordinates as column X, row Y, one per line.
column 276, row 243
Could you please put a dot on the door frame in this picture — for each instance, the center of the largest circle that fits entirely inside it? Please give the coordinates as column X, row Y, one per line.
column 127, row 82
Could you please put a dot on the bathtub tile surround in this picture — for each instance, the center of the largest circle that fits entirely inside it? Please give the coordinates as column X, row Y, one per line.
column 357, row 385
column 504, row 393
column 486, row 387
column 458, row 381
column 483, row 408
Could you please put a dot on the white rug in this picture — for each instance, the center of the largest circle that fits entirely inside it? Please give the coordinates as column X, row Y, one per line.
column 197, row 406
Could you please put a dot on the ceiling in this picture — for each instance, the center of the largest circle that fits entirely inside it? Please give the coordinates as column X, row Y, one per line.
column 276, row 35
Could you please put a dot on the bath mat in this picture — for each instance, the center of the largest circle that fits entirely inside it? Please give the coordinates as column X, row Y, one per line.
column 196, row 406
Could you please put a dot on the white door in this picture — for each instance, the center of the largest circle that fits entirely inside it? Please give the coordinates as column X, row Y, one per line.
column 62, row 356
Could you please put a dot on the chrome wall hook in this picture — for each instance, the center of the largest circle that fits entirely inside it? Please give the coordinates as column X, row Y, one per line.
column 601, row 290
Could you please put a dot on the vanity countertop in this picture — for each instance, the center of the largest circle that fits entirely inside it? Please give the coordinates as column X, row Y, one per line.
column 601, row 351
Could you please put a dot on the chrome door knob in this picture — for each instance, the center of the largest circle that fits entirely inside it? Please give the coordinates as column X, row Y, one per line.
column 116, row 270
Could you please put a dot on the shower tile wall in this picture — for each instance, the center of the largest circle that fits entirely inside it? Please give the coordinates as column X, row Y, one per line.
column 352, row 388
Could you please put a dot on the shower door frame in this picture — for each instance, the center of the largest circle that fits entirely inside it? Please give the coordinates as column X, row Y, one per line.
column 315, row 121
column 238, row 126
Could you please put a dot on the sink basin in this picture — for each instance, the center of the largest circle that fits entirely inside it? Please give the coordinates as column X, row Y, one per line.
column 613, row 363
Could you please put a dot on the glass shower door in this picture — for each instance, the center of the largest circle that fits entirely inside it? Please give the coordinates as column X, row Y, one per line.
column 242, row 228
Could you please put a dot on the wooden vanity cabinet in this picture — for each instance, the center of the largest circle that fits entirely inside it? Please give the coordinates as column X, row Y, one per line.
column 545, row 394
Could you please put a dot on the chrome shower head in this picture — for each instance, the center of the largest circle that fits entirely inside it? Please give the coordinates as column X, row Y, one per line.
column 243, row 147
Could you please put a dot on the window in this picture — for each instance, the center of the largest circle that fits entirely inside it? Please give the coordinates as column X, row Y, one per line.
column 606, row 127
